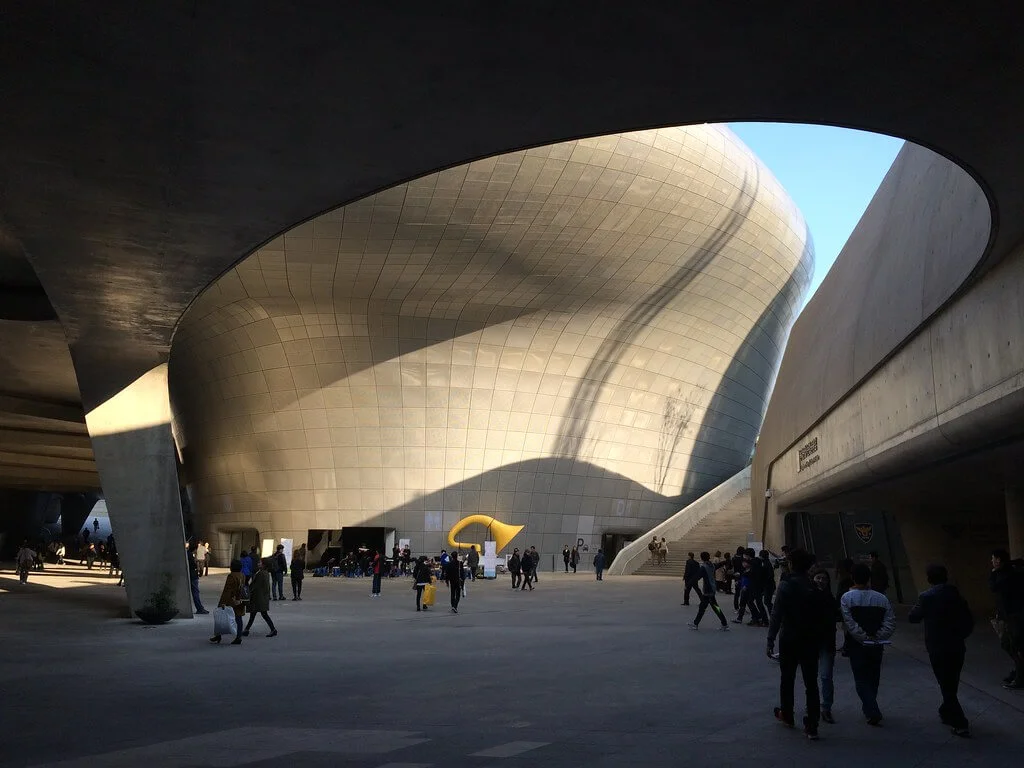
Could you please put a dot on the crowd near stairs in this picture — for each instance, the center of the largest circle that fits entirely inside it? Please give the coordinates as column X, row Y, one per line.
column 719, row 520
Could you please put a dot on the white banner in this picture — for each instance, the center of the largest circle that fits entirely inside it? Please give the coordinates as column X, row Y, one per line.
column 490, row 559
column 288, row 545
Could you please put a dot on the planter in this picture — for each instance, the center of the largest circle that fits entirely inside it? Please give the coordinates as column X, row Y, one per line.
column 156, row 617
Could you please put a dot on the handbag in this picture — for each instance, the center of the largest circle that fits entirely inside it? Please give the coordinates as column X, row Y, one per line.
column 224, row 621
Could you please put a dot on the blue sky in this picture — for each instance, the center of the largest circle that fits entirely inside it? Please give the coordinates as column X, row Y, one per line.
column 831, row 174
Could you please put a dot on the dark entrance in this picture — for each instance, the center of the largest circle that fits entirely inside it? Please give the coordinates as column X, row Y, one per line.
column 355, row 538
column 854, row 533
column 611, row 543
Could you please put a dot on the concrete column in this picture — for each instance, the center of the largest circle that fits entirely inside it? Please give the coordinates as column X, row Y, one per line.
column 1015, row 519
column 136, row 459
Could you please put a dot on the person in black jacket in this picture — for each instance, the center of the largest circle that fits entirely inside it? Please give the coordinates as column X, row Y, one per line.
column 453, row 572
column 947, row 623
column 1007, row 584
column 529, row 571
column 278, row 567
column 515, row 567
column 737, row 572
column 691, row 578
column 801, row 614
column 566, row 556
column 768, row 571
column 473, row 561
column 421, row 576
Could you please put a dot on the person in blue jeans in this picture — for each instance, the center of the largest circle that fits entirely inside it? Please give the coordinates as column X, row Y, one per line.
column 279, row 564
column 827, row 656
column 376, row 574
column 869, row 622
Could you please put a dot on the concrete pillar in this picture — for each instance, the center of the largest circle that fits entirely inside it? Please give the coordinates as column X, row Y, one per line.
column 1015, row 519
column 136, row 459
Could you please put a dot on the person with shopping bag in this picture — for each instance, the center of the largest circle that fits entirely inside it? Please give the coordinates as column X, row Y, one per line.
column 233, row 598
column 421, row 578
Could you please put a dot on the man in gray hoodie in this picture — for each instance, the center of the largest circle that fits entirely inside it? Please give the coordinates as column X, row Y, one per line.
column 707, row 599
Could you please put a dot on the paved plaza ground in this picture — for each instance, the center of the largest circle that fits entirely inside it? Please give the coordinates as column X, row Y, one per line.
column 577, row 673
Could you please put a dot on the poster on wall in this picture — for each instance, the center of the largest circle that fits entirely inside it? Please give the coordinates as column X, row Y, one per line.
column 404, row 544
column 268, row 548
column 431, row 521
column 490, row 559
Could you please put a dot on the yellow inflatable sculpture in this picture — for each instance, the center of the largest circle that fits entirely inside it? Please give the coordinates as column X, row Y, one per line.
column 498, row 532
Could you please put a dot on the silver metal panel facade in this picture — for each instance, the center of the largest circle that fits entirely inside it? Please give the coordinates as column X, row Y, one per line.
column 579, row 338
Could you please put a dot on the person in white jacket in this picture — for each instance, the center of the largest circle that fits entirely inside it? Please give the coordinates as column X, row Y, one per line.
column 869, row 622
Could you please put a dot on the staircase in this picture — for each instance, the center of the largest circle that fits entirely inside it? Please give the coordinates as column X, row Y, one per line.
column 718, row 520
column 723, row 530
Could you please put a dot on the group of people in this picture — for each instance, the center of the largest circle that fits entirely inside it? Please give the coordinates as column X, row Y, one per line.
column 32, row 556
column 658, row 550
column 252, row 584
column 804, row 613
column 523, row 568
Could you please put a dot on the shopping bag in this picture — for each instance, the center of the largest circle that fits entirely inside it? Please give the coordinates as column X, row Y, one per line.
column 224, row 621
column 429, row 593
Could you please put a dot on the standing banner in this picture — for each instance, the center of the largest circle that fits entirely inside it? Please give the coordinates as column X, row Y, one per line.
column 288, row 545
column 490, row 559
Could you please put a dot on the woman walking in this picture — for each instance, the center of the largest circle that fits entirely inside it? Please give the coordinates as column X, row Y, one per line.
column 233, row 596
column 574, row 558
column 827, row 657
column 259, row 598
column 298, row 568
column 421, row 577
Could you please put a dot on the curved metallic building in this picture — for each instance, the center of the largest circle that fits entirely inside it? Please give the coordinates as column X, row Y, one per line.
column 578, row 338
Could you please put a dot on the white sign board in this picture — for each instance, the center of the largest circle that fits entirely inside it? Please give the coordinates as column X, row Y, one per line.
column 431, row 521
column 404, row 544
column 268, row 548
column 490, row 559
column 288, row 545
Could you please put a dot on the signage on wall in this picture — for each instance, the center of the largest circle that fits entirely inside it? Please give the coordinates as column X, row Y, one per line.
column 865, row 532
column 431, row 521
column 808, row 455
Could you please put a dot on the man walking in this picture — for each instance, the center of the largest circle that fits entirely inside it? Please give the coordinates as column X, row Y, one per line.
column 24, row 559
column 473, row 560
column 947, row 623
column 515, row 567
column 869, row 622
column 599, row 563
column 535, row 556
column 566, row 554
column 453, row 573
column 803, row 619
column 279, row 565
column 528, row 571
column 692, row 575
column 879, row 574
column 707, row 597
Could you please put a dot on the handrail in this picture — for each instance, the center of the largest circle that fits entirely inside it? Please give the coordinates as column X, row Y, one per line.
column 634, row 554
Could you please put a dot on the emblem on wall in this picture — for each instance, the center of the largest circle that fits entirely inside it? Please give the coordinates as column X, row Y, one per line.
column 865, row 531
